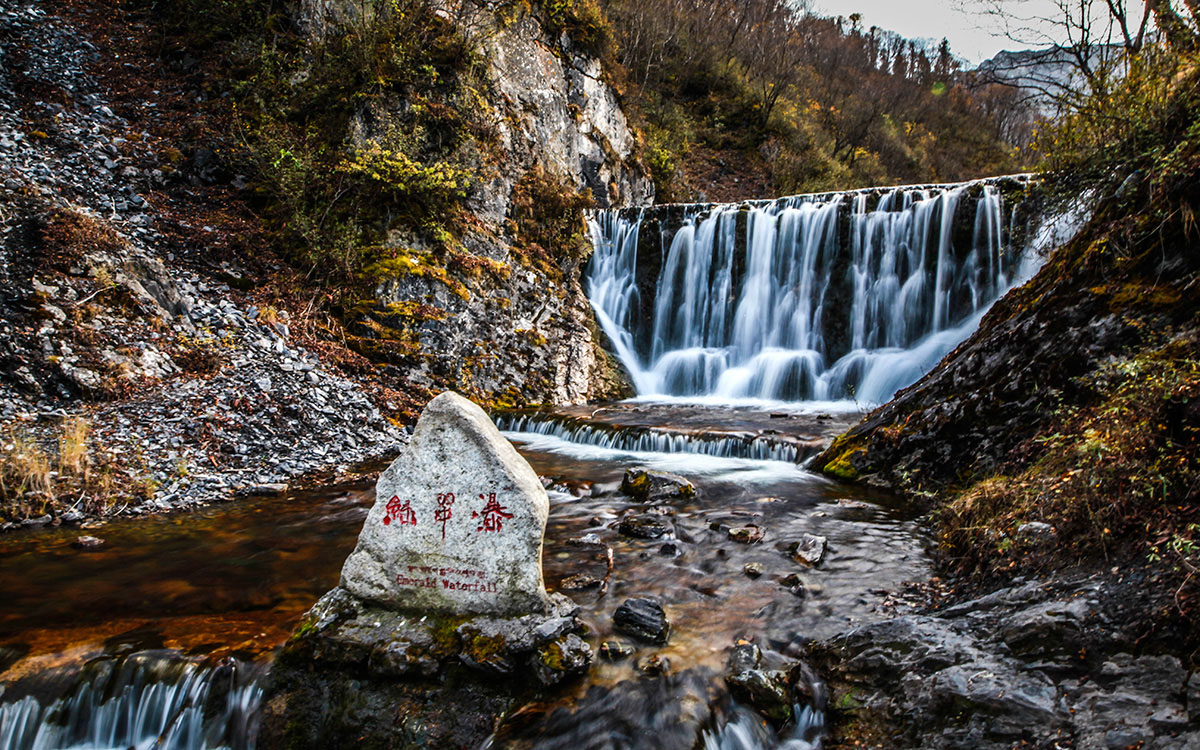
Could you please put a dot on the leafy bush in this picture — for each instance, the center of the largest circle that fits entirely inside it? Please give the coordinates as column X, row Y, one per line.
column 584, row 23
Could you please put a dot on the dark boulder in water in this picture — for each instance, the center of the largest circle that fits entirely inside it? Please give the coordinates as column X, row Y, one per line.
column 643, row 619
column 656, row 486
column 645, row 526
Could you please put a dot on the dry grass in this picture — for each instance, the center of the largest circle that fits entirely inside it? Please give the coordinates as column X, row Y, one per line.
column 60, row 471
column 74, row 456
column 24, row 468
column 67, row 235
column 1117, row 479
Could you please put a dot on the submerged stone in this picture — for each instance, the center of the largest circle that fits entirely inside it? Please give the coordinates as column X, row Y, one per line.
column 655, row 665
column 579, row 582
column 615, row 650
column 457, row 523
column 749, row 534
column 794, row 583
column 645, row 526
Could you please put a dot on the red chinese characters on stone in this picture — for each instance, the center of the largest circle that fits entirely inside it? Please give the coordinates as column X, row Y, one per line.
column 443, row 514
column 492, row 514
column 400, row 512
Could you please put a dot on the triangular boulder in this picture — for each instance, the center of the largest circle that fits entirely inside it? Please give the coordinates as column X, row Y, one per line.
column 457, row 524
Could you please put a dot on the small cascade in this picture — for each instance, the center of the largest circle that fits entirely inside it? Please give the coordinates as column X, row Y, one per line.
column 746, row 729
column 141, row 701
column 814, row 297
column 635, row 439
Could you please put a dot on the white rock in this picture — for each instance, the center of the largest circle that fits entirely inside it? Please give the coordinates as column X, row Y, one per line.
column 457, row 524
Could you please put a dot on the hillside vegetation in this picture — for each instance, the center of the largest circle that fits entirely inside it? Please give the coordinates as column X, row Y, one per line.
column 756, row 99
column 1065, row 432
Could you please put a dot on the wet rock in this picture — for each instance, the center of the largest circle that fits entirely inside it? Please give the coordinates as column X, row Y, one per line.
column 810, row 550
column 670, row 549
column 644, row 526
column 413, row 653
column 749, row 534
column 585, row 540
column 655, row 665
column 486, row 652
column 88, row 543
column 1005, row 669
column 753, row 569
column 579, row 582
column 615, row 651
column 1054, row 627
column 559, row 660
column 656, row 486
column 794, row 583
column 643, row 619
column 744, row 656
column 767, row 691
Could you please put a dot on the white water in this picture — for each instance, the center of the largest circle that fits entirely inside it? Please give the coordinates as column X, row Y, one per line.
column 796, row 316
column 639, row 440
column 142, row 704
column 743, row 470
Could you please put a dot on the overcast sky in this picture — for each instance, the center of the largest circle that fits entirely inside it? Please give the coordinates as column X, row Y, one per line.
column 969, row 34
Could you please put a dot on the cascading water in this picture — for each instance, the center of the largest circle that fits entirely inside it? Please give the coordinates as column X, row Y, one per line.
column 815, row 297
column 647, row 440
column 143, row 701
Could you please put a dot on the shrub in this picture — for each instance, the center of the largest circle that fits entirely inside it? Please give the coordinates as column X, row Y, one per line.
column 547, row 221
column 1144, row 125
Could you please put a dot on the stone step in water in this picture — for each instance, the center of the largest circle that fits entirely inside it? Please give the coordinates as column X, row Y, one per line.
column 757, row 435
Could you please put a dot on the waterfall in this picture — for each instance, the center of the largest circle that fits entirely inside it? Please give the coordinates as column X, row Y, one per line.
column 815, row 297
column 650, row 440
column 142, row 701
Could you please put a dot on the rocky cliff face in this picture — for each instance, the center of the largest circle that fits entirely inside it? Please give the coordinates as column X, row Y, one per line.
column 523, row 332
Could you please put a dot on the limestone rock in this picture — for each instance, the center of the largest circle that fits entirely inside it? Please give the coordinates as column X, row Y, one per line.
column 457, row 524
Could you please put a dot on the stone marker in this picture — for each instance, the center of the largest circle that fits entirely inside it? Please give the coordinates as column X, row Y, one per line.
column 457, row 523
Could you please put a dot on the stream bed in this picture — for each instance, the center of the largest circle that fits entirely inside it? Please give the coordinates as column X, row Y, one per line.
column 181, row 611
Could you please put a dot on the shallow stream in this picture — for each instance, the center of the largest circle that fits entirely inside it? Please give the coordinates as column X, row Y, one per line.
column 186, row 610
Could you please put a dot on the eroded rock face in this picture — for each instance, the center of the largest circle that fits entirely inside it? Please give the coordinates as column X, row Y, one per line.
column 1043, row 663
column 457, row 523
column 526, row 335
column 565, row 115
